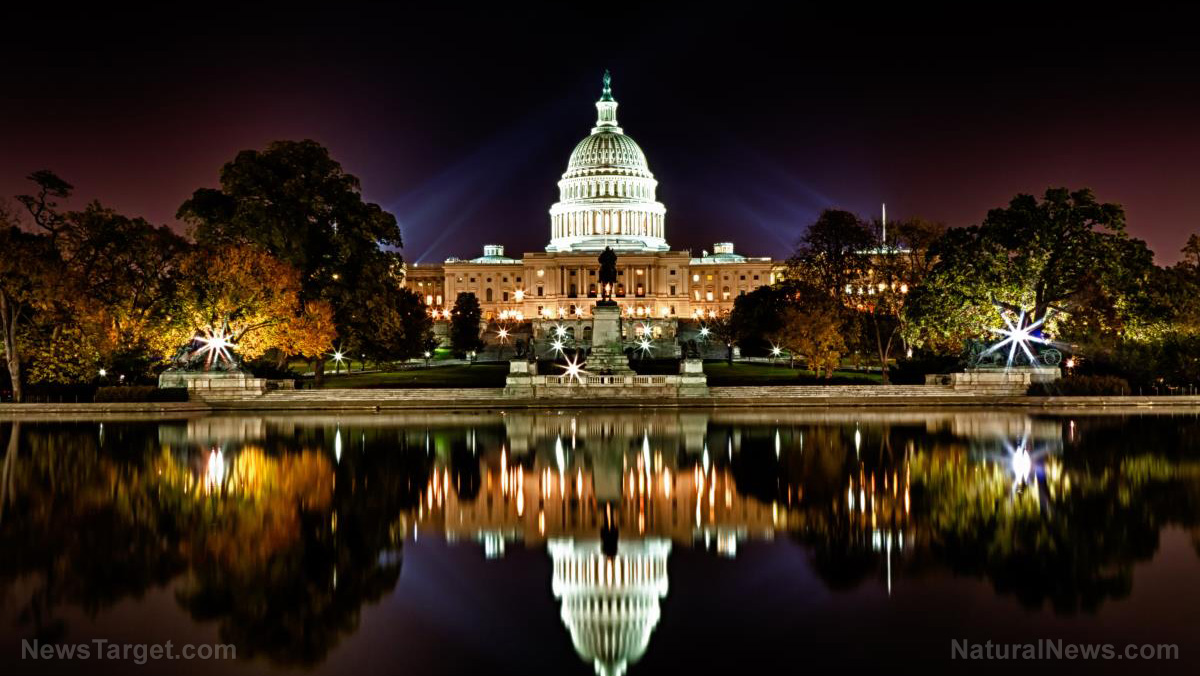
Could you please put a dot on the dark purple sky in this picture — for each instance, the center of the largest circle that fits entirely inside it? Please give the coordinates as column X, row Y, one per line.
column 460, row 124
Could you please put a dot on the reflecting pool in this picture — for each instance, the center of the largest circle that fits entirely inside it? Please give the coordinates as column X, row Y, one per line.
column 573, row 542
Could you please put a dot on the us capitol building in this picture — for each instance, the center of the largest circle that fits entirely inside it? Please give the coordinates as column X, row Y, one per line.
column 606, row 198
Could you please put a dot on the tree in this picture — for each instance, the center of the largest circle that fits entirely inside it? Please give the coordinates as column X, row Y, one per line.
column 27, row 260
column 834, row 253
column 813, row 331
column 1060, row 254
column 126, row 269
column 832, row 270
column 393, row 323
column 722, row 328
column 253, row 299
column 106, row 300
column 464, row 325
column 757, row 315
column 43, row 204
column 902, row 262
column 297, row 203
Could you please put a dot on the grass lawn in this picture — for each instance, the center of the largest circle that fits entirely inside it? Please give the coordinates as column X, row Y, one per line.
column 721, row 374
column 477, row 375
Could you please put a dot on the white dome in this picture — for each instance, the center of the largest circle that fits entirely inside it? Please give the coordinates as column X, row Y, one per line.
column 607, row 153
column 606, row 196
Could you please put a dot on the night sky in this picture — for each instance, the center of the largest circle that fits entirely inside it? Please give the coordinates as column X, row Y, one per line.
column 461, row 123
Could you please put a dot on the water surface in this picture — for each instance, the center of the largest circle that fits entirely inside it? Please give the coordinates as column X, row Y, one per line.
column 570, row 542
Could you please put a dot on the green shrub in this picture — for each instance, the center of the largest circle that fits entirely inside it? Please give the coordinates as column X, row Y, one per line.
column 1082, row 385
column 140, row 393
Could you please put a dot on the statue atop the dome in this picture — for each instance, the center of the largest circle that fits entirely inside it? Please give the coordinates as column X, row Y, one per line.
column 606, row 93
column 608, row 275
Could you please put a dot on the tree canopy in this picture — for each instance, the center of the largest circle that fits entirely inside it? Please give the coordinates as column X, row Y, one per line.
column 1064, row 253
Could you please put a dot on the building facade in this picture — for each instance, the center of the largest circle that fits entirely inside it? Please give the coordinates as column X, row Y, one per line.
column 607, row 198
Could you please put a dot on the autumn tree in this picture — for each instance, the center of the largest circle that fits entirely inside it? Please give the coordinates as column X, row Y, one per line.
column 126, row 269
column 253, row 299
column 106, row 301
column 297, row 203
column 814, row 332
column 26, row 261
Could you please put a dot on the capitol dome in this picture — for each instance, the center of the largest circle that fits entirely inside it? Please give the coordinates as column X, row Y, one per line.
column 606, row 196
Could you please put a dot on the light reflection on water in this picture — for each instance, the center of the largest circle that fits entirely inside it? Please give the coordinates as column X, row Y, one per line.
column 282, row 530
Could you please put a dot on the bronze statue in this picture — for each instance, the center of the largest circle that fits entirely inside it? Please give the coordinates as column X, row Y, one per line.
column 608, row 275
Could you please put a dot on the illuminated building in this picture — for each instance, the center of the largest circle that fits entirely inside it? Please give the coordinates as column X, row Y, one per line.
column 607, row 197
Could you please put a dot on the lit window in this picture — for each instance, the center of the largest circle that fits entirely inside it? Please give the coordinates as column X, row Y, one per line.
column 541, row 273
column 695, row 278
column 708, row 296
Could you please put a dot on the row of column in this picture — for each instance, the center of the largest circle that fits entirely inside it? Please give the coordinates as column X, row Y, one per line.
column 617, row 222
column 632, row 189
column 583, row 280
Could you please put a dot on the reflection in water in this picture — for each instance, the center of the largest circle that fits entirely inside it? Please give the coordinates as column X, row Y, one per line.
column 281, row 529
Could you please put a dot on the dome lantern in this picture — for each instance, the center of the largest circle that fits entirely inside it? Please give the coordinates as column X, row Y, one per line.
column 606, row 109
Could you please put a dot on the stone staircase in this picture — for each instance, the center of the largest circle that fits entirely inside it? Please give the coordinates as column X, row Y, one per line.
column 489, row 397
column 351, row 396
column 837, row 392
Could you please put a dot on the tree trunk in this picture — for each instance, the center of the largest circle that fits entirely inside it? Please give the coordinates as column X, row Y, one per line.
column 8, row 324
column 883, row 374
column 319, row 371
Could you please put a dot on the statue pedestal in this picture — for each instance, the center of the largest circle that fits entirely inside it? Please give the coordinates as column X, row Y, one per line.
column 608, row 355
column 214, row 384
column 996, row 381
column 519, row 381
